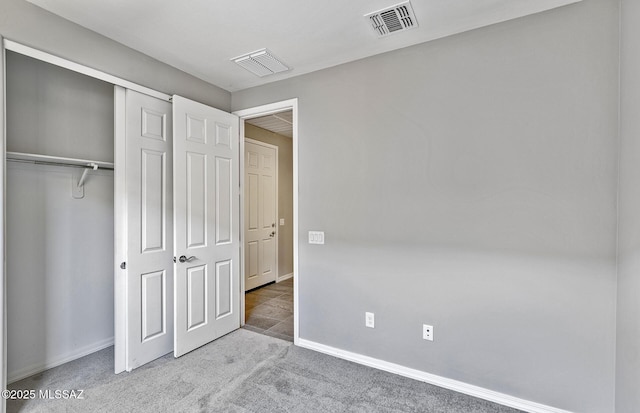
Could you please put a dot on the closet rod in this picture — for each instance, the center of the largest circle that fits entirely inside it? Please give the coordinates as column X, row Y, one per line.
column 56, row 161
column 71, row 165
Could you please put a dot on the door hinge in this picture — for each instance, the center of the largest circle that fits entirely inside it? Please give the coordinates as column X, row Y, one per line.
column 123, row 265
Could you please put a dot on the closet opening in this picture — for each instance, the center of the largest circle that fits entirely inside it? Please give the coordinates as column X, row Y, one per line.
column 59, row 216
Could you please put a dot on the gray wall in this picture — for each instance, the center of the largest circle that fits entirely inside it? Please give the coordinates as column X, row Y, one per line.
column 285, row 192
column 54, row 111
column 469, row 183
column 27, row 24
column 59, row 249
column 628, row 339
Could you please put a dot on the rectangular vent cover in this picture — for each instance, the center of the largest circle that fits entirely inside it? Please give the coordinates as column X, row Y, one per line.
column 393, row 19
column 261, row 63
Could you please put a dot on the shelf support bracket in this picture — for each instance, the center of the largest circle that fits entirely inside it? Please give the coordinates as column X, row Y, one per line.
column 78, row 188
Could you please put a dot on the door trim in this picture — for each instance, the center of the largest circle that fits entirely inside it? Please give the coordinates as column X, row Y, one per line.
column 3, row 196
column 79, row 68
column 120, row 309
column 263, row 110
column 277, row 216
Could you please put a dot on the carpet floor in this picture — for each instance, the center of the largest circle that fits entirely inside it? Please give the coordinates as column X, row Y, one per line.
column 241, row 372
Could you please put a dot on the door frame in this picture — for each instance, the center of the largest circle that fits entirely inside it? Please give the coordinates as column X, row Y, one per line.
column 3, row 251
column 255, row 112
column 119, row 223
column 277, row 189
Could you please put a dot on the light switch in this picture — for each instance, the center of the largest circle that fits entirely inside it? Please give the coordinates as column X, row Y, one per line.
column 316, row 237
column 281, row 221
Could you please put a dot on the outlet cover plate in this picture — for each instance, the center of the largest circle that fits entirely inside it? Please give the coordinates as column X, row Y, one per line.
column 427, row 332
column 369, row 320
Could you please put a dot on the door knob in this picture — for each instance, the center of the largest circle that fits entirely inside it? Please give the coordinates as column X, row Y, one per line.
column 272, row 234
column 185, row 259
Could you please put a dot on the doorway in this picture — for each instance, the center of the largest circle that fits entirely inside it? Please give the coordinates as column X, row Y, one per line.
column 270, row 305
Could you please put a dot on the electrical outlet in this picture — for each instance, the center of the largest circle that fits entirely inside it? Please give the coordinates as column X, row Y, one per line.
column 281, row 221
column 427, row 332
column 369, row 320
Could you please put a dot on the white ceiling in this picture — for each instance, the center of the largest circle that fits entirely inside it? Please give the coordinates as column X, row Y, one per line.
column 200, row 36
column 280, row 123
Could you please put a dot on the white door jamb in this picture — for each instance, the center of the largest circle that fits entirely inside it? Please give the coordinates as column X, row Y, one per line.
column 3, row 195
column 291, row 104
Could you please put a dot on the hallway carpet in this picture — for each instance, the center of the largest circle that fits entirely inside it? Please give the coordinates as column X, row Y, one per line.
column 241, row 372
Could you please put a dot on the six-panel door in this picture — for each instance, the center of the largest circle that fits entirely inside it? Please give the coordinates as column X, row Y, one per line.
column 261, row 238
column 183, row 305
column 149, row 262
column 206, row 200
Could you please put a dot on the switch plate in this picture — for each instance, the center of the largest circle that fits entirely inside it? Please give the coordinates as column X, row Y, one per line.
column 316, row 237
column 427, row 332
column 281, row 221
column 369, row 320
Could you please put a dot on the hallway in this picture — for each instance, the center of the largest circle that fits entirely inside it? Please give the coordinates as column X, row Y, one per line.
column 269, row 310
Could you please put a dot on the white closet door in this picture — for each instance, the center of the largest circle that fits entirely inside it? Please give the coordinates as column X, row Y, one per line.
column 260, row 194
column 149, row 195
column 206, row 202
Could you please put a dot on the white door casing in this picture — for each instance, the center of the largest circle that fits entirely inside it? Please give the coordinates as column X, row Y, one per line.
column 120, row 230
column 3, row 327
column 206, row 202
column 261, row 229
column 149, row 210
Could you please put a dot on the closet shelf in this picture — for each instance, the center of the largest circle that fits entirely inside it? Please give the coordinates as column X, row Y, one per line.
column 57, row 160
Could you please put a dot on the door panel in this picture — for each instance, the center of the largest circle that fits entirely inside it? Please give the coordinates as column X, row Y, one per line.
column 153, row 295
column 196, row 200
column 153, row 201
column 224, row 284
column 197, row 299
column 224, row 200
column 268, row 254
column 267, row 199
column 206, row 178
column 149, row 271
column 251, row 269
column 252, row 201
column 261, row 239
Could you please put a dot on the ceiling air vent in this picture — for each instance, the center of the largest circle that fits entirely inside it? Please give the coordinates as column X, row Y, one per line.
column 261, row 63
column 393, row 19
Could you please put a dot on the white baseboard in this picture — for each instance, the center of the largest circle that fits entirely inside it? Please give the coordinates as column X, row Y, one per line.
column 285, row 277
column 57, row 361
column 458, row 386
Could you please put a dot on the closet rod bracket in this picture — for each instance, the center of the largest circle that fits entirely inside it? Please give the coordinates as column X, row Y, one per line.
column 78, row 188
